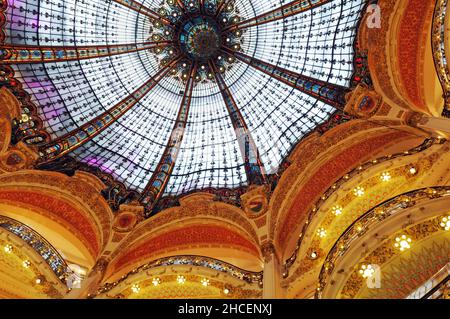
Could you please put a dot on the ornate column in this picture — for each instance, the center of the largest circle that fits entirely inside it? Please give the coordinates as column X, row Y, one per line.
column 90, row 285
column 436, row 125
column 272, row 272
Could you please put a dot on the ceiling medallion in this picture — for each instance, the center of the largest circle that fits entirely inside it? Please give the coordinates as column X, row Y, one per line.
column 196, row 36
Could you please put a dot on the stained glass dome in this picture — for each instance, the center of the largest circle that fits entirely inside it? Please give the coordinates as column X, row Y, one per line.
column 173, row 96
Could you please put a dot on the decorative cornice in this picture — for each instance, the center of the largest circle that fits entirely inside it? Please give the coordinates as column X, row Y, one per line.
column 50, row 286
column 374, row 40
column 310, row 151
column 406, row 272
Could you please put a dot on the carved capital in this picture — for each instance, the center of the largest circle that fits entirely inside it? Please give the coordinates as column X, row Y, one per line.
column 414, row 118
column 100, row 266
column 268, row 251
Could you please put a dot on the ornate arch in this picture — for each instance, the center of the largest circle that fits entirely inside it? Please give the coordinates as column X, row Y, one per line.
column 338, row 207
column 74, row 203
column 319, row 161
column 400, row 56
column 415, row 216
column 200, row 222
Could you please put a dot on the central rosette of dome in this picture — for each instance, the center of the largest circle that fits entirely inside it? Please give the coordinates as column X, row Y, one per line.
column 196, row 38
column 200, row 39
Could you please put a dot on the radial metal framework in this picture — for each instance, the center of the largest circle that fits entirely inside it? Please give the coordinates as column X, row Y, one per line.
column 199, row 55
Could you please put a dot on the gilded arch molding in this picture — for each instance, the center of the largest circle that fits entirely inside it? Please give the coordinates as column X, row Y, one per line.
column 207, row 277
column 416, row 215
column 330, row 155
column 429, row 163
column 72, row 202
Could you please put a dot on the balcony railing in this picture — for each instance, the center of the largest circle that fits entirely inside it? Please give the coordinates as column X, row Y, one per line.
column 428, row 289
column 40, row 245
column 439, row 44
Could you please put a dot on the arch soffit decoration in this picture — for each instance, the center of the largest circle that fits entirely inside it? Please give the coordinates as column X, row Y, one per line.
column 166, row 285
column 330, row 156
column 198, row 209
column 199, row 240
column 73, row 202
column 187, row 236
column 404, row 274
column 19, row 282
column 429, row 251
column 400, row 59
column 9, row 109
